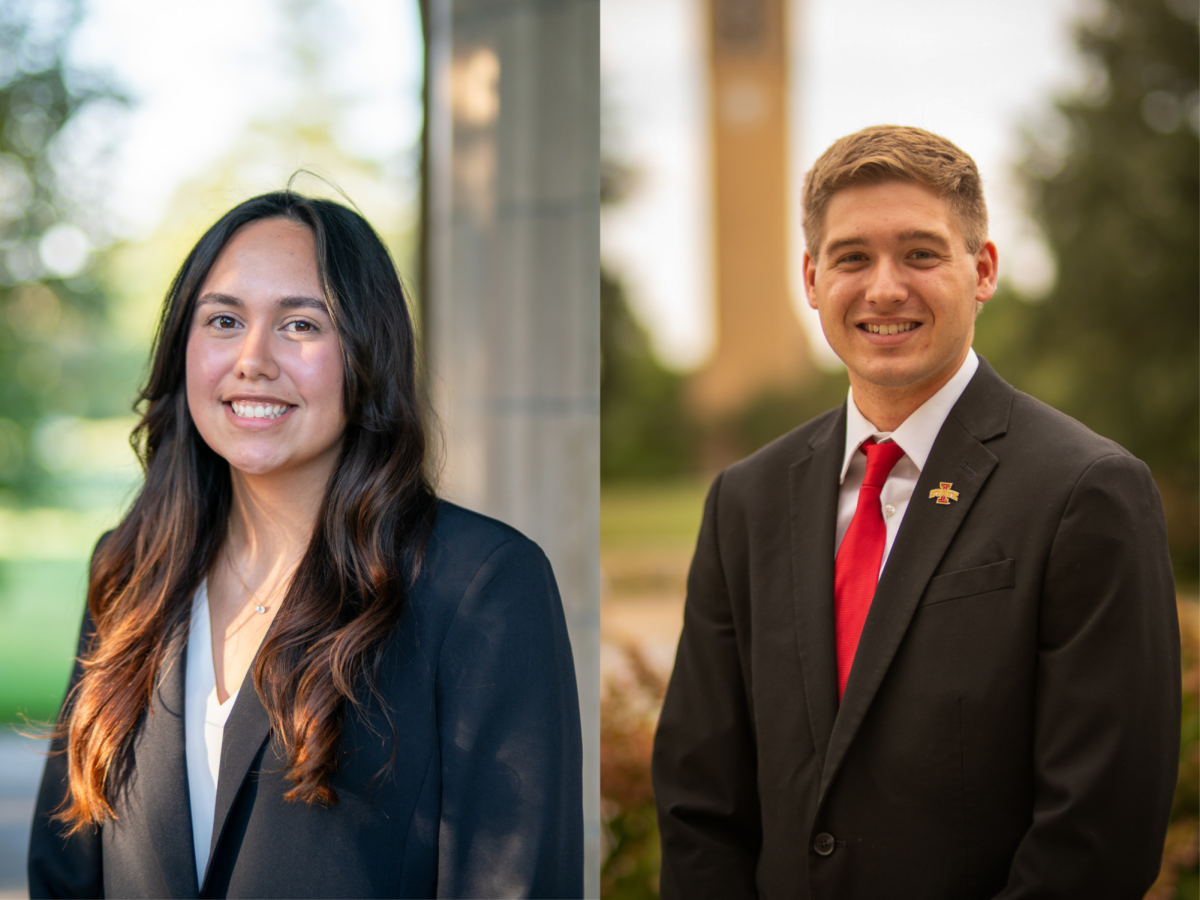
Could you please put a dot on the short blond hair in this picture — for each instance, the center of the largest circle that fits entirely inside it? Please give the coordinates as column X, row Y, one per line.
column 896, row 153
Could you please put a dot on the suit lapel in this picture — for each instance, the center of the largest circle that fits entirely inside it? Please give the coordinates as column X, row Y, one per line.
column 161, row 767
column 245, row 732
column 959, row 457
column 813, row 498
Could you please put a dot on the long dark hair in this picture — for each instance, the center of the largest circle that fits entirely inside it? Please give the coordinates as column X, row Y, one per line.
column 348, row 592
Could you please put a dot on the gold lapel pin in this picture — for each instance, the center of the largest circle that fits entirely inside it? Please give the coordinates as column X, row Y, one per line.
column 944, row 494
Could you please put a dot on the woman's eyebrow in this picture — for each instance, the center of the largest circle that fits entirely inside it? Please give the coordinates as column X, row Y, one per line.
column 222, row 299
column 304, row 303
column 297, row 302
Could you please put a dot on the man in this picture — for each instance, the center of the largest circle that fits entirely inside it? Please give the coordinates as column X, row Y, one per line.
column 930, row 646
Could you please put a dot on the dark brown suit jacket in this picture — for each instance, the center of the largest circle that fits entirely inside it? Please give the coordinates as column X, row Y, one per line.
column 1010, row 727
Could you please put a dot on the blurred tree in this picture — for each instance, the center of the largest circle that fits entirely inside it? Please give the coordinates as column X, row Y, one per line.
column 296, row 140
column 1114, row 177
column 645, row 430
column 48, row 307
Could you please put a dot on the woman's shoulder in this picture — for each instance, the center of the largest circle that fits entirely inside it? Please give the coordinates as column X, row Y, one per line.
column 467, row 550
column 471, row 532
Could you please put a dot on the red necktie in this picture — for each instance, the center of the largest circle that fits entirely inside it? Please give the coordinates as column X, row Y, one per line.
column 856, row 570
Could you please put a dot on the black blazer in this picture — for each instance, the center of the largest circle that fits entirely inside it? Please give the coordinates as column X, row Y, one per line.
column 483, row 799
column 1010, row 727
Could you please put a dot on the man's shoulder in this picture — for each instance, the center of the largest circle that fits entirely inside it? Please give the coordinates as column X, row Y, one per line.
column 1032, row 425
column 1037, row 421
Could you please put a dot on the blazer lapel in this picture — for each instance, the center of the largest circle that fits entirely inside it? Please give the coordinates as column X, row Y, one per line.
column 959, row 457
column 160, row 763
column 245, row 732
column 814, row 497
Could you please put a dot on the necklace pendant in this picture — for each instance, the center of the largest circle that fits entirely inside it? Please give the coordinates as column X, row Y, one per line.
column 260, row 609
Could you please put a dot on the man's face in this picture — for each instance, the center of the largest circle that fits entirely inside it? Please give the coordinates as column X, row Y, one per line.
column 896, row 287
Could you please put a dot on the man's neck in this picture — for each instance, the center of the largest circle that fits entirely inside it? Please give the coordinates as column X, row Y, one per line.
column 887, row 406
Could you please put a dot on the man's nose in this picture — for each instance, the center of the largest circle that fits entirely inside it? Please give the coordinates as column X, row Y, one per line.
column 255, row 359
column 887, row 283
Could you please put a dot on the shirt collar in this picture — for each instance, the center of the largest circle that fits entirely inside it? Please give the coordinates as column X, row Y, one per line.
column 917, row 433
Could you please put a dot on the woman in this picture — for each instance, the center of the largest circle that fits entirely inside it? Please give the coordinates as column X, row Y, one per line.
column 301, row 674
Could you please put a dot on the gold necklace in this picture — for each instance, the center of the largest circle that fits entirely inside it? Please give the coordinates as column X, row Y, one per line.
column 259, row 606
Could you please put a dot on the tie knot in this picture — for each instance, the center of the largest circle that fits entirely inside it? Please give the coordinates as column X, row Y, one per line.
column 881, row 458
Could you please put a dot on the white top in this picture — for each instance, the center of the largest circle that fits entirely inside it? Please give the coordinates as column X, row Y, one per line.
column 204, row 727
column 915, row 436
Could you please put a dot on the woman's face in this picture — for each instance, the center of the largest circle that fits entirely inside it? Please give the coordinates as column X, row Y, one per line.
column 264, row 367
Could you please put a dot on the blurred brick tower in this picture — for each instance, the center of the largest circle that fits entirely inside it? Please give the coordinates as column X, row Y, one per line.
column 760, row 344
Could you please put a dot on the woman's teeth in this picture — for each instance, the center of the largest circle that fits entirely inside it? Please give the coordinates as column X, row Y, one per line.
column 891, row 329
column 258, row 410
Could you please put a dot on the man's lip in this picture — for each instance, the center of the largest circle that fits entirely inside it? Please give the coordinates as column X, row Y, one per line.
column 887, row 340
column 882, row 321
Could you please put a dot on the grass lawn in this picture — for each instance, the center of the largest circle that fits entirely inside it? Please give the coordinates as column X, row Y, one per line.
column 662, row 515
column 41, row 603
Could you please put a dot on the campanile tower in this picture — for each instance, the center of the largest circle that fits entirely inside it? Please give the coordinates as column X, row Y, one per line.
column 760, row 344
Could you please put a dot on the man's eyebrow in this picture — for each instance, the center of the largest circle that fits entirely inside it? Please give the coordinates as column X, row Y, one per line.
column 916, row 234
column 919, row 234
column 842, row 243
column 297, row 302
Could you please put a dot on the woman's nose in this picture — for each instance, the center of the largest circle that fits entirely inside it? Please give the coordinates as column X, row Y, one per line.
column 255, row 359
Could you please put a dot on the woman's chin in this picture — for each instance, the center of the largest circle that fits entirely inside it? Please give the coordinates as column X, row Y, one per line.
column 255, row 466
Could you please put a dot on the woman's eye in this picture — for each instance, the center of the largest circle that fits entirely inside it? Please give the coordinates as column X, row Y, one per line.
column 223, row 322
column 301, row 327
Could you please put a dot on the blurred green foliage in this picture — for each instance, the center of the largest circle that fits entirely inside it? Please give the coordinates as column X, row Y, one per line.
column 50, row 310
column 1114, row 181
column 40, row 606
column 645, row 431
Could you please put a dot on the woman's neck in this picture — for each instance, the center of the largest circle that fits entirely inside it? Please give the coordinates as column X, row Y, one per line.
column 271, row 520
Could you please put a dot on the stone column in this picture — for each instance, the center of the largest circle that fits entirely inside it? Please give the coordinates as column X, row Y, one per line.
column 513, row 332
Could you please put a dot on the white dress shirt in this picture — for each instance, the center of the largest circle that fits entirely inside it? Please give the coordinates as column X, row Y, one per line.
column 204, row 726
column 915, row 436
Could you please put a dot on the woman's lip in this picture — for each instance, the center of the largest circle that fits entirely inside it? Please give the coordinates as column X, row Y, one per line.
column 254, row 424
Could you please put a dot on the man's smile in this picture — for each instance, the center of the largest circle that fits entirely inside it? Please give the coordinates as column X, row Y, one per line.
column 890, row 328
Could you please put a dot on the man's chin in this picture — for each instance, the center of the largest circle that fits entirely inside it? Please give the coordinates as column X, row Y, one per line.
column 889, row 375
column 901, row 381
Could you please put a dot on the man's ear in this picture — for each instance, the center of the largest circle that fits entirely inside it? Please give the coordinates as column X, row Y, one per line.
column 986, row 271
column 810, row 279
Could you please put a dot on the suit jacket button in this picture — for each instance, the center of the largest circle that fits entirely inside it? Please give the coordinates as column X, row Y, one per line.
column 824, row 843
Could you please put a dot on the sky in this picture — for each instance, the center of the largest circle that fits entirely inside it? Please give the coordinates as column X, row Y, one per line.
column 199, row 73
column 975, row 71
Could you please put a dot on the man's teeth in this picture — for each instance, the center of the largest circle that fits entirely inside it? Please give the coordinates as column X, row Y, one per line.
column 258, row 410
column 891, row 329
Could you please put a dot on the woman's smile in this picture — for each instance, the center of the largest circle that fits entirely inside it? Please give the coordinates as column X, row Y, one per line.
column 258, row 414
